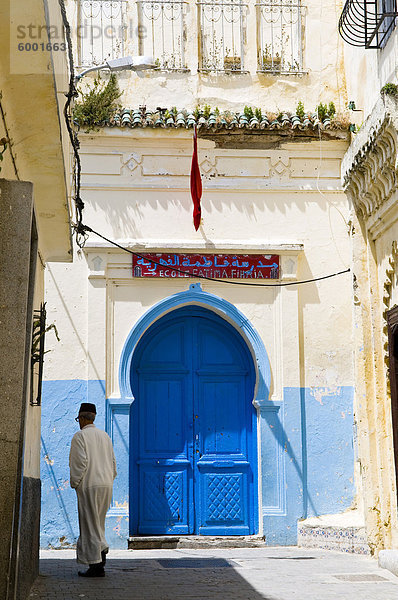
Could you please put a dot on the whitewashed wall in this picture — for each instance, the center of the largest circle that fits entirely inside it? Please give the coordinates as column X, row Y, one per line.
column 141, row 197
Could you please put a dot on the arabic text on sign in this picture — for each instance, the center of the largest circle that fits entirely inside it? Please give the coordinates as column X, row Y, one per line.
column 215, row 266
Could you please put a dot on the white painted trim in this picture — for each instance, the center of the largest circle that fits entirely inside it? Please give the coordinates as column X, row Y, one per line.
column 212, row 246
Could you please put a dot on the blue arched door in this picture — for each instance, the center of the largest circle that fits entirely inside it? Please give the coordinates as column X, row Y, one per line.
column 193, row 429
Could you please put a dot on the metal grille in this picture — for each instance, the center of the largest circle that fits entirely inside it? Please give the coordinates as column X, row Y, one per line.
column 102, row 30
column 37, row 355
column 368, row 23
column 162, row 22
column 222, row 31
column 279, row 25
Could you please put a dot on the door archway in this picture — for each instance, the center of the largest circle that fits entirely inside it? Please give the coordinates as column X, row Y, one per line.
column 193, row 446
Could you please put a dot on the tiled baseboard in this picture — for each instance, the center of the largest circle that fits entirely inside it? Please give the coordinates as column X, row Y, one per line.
column 342, row 539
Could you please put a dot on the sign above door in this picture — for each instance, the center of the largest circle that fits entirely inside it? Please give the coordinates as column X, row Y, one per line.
column 217, row 266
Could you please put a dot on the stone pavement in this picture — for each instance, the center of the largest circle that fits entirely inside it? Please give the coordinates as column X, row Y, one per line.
column 218, row 574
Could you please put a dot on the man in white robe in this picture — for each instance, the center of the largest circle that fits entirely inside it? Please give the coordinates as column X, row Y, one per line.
column 92, row 471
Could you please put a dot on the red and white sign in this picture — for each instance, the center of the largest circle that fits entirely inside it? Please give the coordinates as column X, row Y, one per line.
column 216, row 266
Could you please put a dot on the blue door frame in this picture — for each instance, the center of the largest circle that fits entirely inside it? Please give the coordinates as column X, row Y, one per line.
column 193, row 462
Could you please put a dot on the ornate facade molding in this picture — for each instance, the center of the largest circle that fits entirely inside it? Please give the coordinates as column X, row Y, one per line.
column 369, row 169
column 388, row 302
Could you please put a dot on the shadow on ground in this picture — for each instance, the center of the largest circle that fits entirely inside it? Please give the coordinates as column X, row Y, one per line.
column 146, row 579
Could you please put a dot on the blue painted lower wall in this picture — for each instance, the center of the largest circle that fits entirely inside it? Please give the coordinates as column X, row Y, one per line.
column 307, row 459
column 60, row 405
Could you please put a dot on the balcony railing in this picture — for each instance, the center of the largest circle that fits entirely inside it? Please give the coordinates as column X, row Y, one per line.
column 368, row 23
column 102, row 30
column 163, row 23
column 109, row 29
column 222, row 35
column 279, row 30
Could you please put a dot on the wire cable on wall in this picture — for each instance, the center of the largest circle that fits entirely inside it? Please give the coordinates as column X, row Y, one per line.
column 72, row 93
column 10, row 145
column 187, row 274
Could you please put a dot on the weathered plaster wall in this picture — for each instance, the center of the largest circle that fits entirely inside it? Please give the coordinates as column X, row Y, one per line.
column 385, row 252
column 31, row 466
column 367, row 71
column 16, row 297
column 369, row 170
column 29, row 531
column 37, row 151
column 322, row 59
column 373, row 405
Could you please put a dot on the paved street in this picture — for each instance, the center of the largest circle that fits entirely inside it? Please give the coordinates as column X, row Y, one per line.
column 224, row 574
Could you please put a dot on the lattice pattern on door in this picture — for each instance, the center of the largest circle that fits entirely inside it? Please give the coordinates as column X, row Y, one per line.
column 224, row 497
column 163, row 496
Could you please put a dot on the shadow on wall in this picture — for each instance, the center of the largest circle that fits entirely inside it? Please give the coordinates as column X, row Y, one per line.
column 126, row 218
column 62, row 507
column 61, row 401
column 307, row 459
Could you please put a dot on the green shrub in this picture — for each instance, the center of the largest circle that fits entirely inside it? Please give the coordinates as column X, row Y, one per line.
column 322, row 111
column 98, row 104
column 331, row 110
column 248, row 112
column 300, row 112
column 390, row 89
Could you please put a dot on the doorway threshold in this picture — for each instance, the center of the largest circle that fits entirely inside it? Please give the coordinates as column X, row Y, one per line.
column 157, row 542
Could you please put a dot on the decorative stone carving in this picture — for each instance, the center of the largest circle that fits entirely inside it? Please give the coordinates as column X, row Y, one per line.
column 97, row 267
column 97, row 263
column 289, row 267
column 280, row 165
column 370, row 166
column 133, row 162
column 208, row 167
column 389, row 300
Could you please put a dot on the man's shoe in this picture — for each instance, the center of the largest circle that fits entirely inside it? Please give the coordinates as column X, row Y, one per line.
column 92, row 573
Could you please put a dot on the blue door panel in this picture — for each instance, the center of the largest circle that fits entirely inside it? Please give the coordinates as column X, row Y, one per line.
column 163, row 494
column 222, row 416
column 167, row 348
column 223, row 468
column 193, row 456
column 224, row 502
column 163, row 416
column 162, row 459
column 215, row 349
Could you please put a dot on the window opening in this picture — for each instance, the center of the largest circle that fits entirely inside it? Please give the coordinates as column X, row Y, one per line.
column 279, row 31
column 222, row 31
column 162, row 24
column 102, row 30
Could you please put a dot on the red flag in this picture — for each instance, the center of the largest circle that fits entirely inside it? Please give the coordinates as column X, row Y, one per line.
column 196, row 183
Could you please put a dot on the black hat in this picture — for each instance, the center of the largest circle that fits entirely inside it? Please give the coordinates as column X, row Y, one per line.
column 87, row 407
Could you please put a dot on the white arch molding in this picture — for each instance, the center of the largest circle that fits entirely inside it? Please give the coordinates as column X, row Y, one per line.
column 196, row 296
